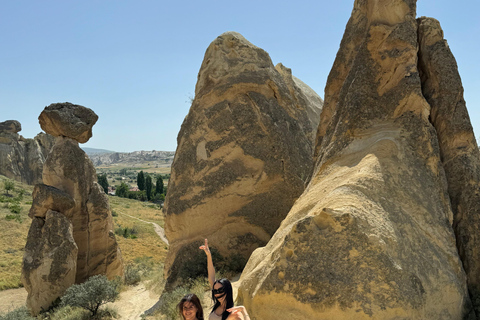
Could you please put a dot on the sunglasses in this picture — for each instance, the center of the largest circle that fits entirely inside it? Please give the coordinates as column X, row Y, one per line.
column 218, row 291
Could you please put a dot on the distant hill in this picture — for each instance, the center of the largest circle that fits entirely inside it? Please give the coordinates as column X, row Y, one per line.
column 92, row 151
column 160, row 158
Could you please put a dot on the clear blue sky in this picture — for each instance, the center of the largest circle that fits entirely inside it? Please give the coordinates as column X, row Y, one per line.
column 135, row 63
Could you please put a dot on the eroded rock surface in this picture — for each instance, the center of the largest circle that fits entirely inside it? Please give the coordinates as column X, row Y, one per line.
column 371, row 237
column 243, row 156
column 68, row 120
column 49, row 264
column 22, row 159
column 70, row 187
column 442, row 87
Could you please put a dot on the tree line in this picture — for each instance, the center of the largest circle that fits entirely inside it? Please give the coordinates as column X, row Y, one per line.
column 147, row 190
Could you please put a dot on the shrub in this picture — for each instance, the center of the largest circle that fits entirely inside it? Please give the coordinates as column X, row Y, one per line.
column 114, row 213
column 132, row 274
column 91, row 294
column 10, row 217
column 17, row 314
column 66, row 313
column 128, row 233
column 8, row 185
column 15, row 208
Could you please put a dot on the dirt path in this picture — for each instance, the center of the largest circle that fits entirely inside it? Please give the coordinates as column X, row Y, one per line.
column 12, row 299
column 133, row 302
column 159, row 230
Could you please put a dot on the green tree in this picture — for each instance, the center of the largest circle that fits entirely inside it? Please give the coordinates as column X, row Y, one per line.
column 122, row 190
column 159, row 185
column 149, row 187
column 141, row 181
column 103, row 181
column 8, row 185
column 91, row 294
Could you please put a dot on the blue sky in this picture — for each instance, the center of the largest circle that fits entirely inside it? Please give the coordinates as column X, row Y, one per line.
column 135, row 63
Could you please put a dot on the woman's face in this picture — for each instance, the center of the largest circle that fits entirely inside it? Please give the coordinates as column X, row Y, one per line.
column 219, row 292
column 189, row 311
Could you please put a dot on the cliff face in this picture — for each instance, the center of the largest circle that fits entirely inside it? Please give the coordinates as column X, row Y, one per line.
column 372, row 236
column 22, row 159
column 243, row 156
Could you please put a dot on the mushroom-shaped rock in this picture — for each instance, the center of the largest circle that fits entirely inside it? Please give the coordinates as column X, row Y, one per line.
column 10, row 126
column 50, row 198
column 68, row 120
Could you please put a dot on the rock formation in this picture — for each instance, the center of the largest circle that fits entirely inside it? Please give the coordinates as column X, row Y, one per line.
column 371, row 237
column 243, row 156
column 22, row 159
column 72, row 200
column 442, row 87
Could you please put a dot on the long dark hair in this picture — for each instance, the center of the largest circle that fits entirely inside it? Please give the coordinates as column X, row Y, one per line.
column 228, row 297
column 196, row 302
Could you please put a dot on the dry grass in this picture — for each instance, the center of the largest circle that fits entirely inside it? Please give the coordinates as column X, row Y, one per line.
column 13, row 233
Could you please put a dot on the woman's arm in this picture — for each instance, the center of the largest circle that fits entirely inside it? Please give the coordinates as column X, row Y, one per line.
column 239, row 309
column 210, row 267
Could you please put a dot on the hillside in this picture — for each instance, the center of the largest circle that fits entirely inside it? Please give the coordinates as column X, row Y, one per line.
column 151, row 158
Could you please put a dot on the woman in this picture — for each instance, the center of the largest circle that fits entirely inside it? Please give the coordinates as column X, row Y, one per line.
column 222, row 294
column 190, row 308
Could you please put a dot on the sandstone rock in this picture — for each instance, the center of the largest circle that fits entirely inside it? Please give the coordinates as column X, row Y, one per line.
column 49, row 198
column 22, row 159
column 10, row 126
column 68, row 120
column 243, row 156
column 69, row 170
column 49, row 262
column 371, row 237
column 442, row 87
column 70, row 193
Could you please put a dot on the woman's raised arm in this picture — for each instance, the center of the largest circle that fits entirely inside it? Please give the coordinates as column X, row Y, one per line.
column 210, row 267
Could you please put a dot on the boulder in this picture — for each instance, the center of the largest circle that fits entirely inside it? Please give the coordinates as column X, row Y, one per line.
column 49, row 198
column 442, row 87
column 243, row 156
column 49, row 261
column 68, row 120
column 10, row 126
column 371, row 237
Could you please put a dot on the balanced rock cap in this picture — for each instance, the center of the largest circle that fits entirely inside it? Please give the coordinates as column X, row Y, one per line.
column 68, row 120
column 10, row 126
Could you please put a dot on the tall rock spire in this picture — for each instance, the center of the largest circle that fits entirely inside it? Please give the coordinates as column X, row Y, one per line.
column 371, row 237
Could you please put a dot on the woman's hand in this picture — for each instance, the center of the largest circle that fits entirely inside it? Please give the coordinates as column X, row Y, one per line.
column 205, row 248
column 238, row 313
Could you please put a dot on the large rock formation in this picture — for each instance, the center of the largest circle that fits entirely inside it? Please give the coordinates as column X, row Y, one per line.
column 243, row 156
column 371, row 237
column 70, row 193
column 22, row 159
column 442, row 87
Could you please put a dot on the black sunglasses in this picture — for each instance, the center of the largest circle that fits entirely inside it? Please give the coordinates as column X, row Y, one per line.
column 218, row 291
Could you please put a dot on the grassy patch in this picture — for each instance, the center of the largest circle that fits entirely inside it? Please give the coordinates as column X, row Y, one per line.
column 14, row 225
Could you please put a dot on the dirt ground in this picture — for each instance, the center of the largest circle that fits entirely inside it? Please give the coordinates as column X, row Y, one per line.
column 12, row 299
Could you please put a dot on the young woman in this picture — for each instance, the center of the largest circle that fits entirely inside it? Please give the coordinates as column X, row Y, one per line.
column 190, row 308
column 222, row 294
